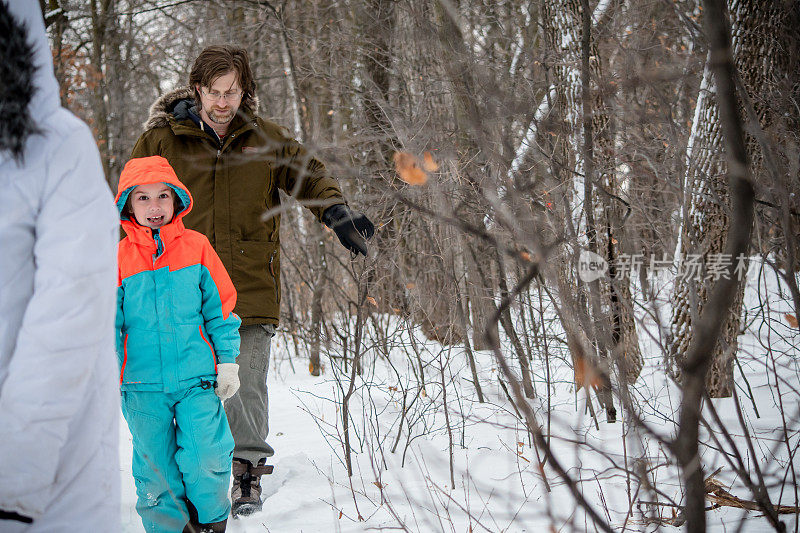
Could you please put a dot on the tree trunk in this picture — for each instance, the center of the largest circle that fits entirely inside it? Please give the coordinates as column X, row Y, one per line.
column 319, row 276
column 584, row 120
column 710, row 325
column 56, row 26
column 103, row 22
column 758, row 30
column 508, row 327
column 473, row 139
column 479, row 295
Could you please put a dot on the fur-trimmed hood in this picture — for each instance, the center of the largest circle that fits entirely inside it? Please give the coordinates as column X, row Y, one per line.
column 164, row 107
column 21, row 46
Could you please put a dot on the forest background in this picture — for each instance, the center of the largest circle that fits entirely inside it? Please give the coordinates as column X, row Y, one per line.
column 530, row 167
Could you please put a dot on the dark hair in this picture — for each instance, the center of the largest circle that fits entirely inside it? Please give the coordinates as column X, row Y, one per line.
column 127, row 210
column 218, row 60
column 17, row 70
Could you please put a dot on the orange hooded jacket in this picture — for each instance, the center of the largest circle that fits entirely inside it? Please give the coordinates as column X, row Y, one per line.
column 174, row 299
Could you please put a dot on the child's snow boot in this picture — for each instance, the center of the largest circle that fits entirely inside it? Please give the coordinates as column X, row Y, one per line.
column 194, row 525
column 216, row 527
column 246, row 491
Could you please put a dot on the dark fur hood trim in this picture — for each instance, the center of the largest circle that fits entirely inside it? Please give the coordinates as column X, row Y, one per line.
column 162, row 109
column 17, row 71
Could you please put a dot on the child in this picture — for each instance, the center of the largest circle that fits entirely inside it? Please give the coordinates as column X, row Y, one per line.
column 177, row 339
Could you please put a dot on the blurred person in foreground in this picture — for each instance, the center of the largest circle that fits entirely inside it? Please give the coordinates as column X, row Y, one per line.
column 59, row 400
column 234, row 163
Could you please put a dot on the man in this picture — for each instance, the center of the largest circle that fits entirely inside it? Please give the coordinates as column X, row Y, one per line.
column 59, row 380
column 234, row 163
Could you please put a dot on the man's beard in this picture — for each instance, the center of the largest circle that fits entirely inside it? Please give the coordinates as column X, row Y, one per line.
column 216, row 118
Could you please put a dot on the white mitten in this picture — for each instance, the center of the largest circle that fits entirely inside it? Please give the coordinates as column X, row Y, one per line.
column 227, row 380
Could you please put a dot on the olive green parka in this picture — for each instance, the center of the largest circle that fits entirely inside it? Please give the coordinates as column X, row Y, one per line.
column 234, row 182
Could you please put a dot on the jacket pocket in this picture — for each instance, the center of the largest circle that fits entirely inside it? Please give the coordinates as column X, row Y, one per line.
column 197, row 357
column 273, row 267
column 255, row 346
column 211, row 348
column 256, row 276
column 123, row 358
column 141, row 357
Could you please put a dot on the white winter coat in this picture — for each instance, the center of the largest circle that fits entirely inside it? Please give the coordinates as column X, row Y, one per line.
column 59, row 397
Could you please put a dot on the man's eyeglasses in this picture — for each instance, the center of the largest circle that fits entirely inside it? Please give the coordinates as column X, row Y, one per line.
column 214, row 96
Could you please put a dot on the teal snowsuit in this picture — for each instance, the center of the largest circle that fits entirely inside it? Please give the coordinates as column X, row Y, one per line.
column 174, row 325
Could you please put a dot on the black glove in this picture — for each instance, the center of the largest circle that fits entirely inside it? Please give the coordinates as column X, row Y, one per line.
column 352, row 228
column 11, row 515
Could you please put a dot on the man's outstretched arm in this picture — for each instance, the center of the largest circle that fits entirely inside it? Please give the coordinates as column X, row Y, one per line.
column 306, row 178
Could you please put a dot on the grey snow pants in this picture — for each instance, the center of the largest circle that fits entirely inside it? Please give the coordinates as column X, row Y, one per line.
column 247, row 410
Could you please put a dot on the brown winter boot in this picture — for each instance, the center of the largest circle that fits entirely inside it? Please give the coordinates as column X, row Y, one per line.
column 216, row 527
column 246, row 491
column 195, row 527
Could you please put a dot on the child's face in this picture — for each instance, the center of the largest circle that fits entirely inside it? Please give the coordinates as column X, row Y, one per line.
column 153, row 204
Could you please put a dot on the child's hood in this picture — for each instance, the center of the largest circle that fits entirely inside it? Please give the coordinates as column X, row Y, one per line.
column 147, row 170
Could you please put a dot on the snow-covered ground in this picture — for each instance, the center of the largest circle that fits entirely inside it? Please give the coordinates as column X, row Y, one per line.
column 498, row 485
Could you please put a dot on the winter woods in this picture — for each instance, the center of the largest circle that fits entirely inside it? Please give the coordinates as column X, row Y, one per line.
column 587, row 243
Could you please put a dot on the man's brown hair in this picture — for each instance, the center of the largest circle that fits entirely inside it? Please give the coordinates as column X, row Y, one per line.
column 218, row 60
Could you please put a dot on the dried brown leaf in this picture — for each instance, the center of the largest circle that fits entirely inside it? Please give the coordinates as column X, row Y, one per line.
column 408, row 168
column 585, row 373
column 428, row 163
